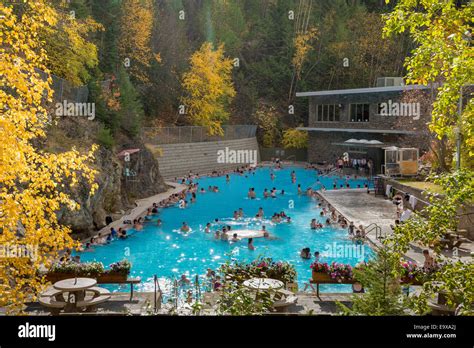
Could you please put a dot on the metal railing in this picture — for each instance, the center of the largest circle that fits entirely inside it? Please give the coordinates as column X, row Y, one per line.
column 378, row 231
column 196, row 134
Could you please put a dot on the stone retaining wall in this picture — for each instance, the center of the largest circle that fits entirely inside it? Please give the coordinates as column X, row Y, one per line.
column 178, row 159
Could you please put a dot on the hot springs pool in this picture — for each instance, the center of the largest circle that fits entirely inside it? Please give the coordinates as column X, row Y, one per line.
column 168, row 253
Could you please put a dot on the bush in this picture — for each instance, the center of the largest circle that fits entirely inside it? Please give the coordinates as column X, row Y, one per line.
column 105, row 138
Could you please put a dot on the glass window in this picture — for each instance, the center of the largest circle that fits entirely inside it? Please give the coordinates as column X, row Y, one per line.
column 359, row 112
column 336, row 113
column 326, row 112
column 320, row 113
column 331, row 113
column 409, row 155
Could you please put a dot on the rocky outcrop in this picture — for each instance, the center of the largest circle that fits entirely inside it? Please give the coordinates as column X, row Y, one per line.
column 116, row 193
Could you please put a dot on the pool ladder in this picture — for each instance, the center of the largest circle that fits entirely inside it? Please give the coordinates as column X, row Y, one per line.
column 378, row 231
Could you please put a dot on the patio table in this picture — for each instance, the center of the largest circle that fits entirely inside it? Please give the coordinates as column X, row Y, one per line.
column 263, row 284
column 76, row 289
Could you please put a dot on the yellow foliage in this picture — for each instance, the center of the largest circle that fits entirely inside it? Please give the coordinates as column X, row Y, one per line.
column 136, row 27
column 266, row 118
column 294, row 138
column 33, row 182
column 302, row 43
column 70, row 53
column 209, row 88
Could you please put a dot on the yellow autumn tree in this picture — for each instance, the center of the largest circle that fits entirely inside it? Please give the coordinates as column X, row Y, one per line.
column 70, row 52
column 135, row 34
column 302, row 43
column 294, row 138
column 33, row 183
column 209, row 88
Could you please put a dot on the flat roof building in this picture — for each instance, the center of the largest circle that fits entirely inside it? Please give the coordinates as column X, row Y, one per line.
column 359, row 122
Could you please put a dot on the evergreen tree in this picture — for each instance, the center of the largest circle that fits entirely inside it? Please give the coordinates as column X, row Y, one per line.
column 380, row 279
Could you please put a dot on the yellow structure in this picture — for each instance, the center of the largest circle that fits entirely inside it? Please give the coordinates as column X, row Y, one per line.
column 401, row 161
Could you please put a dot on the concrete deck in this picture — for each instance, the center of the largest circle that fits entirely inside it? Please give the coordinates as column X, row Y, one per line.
column 142, row 304
column 141, row 208
column 364, row 209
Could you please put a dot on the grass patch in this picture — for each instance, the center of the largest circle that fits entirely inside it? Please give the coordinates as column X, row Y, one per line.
column 422, row 185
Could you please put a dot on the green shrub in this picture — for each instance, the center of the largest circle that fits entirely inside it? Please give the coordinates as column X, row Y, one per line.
column 105, row 138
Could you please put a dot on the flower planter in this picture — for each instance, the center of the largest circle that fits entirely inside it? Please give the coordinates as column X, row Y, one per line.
column 321, row 277
column 112, row 277
column 104, row 278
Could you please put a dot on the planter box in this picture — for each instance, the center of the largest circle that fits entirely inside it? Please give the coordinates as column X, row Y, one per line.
column 112, row 277
column 108, row 277
column 321, row 277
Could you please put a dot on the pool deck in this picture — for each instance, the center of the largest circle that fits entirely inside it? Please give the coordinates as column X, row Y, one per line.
column 364, row 209
column 142, row 304
column 141, row 208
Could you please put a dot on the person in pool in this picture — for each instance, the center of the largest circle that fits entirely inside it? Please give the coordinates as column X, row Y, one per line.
column 305, row 253
column 265, row 232
column 314, row 224
column 184, row 281
column 241, row 213
column 207, row 229
column 159, row 222
column 235, row 238
column 260, row 212
column 184, row 227
column 250, row 244
column 113, row 233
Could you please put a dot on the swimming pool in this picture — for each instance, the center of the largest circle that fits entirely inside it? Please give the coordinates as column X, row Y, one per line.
column 168, row 253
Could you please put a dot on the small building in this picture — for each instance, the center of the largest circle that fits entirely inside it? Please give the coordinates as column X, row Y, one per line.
column 359, row 122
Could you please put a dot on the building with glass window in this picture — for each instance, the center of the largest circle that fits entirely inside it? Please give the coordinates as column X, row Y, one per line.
column 359, row 123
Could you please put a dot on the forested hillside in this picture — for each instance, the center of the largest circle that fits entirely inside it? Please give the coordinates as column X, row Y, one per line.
column 134, row 55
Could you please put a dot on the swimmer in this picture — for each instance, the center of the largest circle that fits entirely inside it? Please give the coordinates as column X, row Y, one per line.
column 207, row 229
column 265, row 232
column 250, row 244
column 184, row 227
column 235, row 238
column 184, row 281
column 305, row 253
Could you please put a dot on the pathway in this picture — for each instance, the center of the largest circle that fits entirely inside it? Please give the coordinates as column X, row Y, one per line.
column 141, row 208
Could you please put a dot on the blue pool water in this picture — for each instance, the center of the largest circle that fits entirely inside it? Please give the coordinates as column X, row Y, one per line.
column 168, row 253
